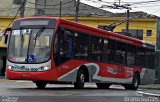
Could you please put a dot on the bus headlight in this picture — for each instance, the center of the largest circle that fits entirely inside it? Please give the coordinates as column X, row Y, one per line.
column 9, row 67
column 44, row 68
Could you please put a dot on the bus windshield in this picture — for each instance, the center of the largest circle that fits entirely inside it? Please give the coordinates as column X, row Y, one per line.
column 30, row 45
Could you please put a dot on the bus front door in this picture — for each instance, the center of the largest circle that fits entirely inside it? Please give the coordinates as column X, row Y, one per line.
column 65, row 52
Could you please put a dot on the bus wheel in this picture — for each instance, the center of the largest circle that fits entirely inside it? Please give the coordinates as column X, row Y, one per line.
column 135, row 83
column 103, row 85
column 79, row 84
column 41, row 84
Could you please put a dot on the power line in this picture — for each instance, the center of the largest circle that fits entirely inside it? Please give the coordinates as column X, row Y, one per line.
column 135, row 5
column 50, row 5
column 2, row 9
column 15, row 15
column 126, row 3
column 142, row 2
column 145, row 6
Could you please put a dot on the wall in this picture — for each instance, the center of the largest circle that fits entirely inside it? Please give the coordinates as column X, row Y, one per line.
column 7, row 8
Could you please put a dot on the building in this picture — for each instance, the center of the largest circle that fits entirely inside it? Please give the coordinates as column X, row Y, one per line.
column 9, row 10
column 10, row 7
column 52, row 7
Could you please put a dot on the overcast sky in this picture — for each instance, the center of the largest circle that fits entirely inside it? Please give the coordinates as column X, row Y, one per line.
column 149, row 6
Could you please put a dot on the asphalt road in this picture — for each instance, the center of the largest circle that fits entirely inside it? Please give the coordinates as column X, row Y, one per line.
column 20, row 91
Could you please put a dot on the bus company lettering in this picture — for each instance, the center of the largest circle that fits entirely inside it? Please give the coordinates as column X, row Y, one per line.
column 128, row 71
column 23, row 68
column 17, row 67
column 112, row 70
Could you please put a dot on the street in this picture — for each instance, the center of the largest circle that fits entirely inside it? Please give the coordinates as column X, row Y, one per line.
column 26, row 91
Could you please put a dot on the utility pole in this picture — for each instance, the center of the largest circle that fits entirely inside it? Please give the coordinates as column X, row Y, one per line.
column 60, row 9
column 119, row 2
column 125, row 6
column 77, row 10
column 127, row 21
column 22, row 8
column 44, row 7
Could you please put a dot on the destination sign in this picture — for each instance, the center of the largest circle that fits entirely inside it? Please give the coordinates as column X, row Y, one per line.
column 34, row 22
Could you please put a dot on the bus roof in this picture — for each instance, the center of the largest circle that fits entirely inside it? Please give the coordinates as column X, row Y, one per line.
column 106, row 32
column 97, row 30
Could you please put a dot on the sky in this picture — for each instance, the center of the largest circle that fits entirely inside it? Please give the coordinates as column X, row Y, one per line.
column 149, row 6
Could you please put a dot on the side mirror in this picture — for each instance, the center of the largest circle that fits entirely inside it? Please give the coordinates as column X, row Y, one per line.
column 6, row 34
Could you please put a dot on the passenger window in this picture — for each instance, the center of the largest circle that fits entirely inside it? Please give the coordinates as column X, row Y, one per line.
column 81, row 42
column 96, row 48
column 109, row 51
column 131, row 55
column 120, row 53
column 140, row 57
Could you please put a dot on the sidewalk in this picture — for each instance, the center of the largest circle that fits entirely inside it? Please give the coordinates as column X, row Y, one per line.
column 153, row 93
column 151, row 90
column 150, row 86
column 2, row 79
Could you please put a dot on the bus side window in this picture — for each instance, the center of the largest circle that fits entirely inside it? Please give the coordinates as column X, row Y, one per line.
column 96, row 48
column 81, row 43
column 109, row 51
column 120, row 53
column 131, row 55
column 140, row 59
column 65, row 45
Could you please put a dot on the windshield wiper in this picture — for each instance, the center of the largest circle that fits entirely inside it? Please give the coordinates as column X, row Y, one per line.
column 21, row 34
column 38, row 34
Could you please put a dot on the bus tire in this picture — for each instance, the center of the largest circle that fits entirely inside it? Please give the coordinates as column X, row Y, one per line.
column 80, row 81
column 135, row 83
column 103, row 85
column 41, row 84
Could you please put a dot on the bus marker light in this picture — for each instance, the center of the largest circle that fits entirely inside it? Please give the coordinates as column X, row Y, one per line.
column 9, row 67
column 44, row 68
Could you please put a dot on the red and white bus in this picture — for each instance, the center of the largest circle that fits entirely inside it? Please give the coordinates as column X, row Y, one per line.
column 50, row 50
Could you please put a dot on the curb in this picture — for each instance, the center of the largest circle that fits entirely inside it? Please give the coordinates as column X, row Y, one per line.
column 2, row 77
column 151, row 86
column 148, row 94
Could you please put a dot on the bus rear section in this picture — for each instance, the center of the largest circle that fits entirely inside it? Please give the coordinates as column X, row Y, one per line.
column 52, row 50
